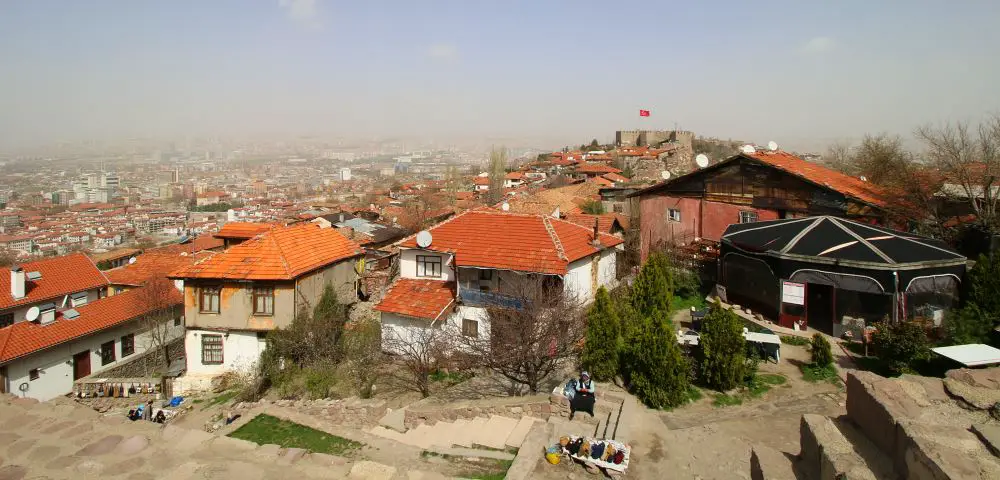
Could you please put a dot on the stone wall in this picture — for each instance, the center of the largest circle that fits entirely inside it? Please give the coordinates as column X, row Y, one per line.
column 150, row 361
column 351, row 412
column 515, row 407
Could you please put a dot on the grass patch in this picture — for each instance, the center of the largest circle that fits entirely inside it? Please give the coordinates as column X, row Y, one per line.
column 685, row 303
column 726, row 400
column 490, row 470
column 762, row 383
column 197, row 400
column 794, row 340
column 814, row 374
column 265, row 429
column 694, row 394
column 771, row 378
column 222, row 398
column 451, row 378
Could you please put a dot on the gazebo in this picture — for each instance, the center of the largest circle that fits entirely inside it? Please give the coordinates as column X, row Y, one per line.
column 829, row 272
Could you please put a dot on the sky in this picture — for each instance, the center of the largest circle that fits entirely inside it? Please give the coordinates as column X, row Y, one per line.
column 799, row 73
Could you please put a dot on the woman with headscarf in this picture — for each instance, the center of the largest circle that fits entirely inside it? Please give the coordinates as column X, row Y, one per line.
column 583, row 400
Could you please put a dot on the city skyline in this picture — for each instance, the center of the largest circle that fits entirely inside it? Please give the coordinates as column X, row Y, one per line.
column 801, row 75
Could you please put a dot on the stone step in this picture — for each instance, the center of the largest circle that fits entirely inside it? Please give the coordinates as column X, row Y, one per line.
column 461, row 433
column 496, row 431
column 827, row 454
column 443, row 435
column 516, row 437
column 387, row 433
column 422, row 436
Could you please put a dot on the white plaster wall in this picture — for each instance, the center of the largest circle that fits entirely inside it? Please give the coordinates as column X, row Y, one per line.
column 577, row 283
column 399, row 328
column 55, row 364
column 607, row 268
column 472, row 313
column 408, row 264
column 240, row 350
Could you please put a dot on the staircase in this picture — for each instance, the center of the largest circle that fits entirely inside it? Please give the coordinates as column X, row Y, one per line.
column 466, row 437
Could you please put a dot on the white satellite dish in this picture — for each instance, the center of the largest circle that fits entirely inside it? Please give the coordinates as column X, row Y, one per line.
column 32, row 314
column 131, row 260
column 701, row 160
column 424, row 239
column 748, row 149
column 665, row 175
column 505, row 207
column 772, row 146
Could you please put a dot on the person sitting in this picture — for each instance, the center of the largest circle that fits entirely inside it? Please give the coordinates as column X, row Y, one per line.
column 583, row 399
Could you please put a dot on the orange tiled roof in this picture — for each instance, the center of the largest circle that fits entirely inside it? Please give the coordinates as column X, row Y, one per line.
column 418, row 298
column 24, row 338
column 283, row 253
column 820, row 175
column 198, row 244
column 602, row 181
column 566, row 198
column 490, row 239
column 481, row 180
column 596, row 168
column 243, row 230
column 150, row 266
column 615, row 177
column 60, row 276
column 514, row 176
column 604, row 222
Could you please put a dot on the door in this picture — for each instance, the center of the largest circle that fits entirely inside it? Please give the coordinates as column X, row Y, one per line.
column 3, row 380
column 819, row 307
column 81, row 365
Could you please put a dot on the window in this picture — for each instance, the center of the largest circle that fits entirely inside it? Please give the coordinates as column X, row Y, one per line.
column 263, row 300
column 6, row 319
column 128, row 345
column 486, row 275
column 102, row 293
column 33, row 374
column 177, row 322
column 119, row 290
column 211, row 349
column 210, row 299
column 107, row 352
column 78, row 299
column 428, row 266
column 470, row 328
column 674, row 215
column 747, row 216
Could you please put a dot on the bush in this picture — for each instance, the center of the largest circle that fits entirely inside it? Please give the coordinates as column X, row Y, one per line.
column 652, row 290
column 362, row 353
column 900, row 345
column 722, row 350
column 820, row 350
column 794, row 340
column 600, row 352
column 658, row 371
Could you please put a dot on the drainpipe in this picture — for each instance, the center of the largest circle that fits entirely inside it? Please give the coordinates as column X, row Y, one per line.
column 895, row 297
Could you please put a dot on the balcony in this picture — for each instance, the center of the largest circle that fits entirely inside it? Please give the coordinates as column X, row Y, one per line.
column 476, row 298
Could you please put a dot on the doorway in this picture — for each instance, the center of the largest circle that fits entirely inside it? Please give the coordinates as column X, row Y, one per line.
column 819, row 307
column 81, row 365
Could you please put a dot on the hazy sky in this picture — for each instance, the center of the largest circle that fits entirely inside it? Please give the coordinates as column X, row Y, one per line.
column 790, row 71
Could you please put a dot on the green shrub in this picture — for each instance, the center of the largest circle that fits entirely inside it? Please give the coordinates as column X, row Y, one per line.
column 658, row 371
column 794, row 340
column 820, row 350
column 600, row 352
column 652, row 291
column 722, row 350
column 319, row 379
column 900, row 345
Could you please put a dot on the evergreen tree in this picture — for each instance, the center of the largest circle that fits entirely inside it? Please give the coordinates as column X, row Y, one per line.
column 658, row 371
column 722, row 355
column 600, row 353
column 652, row 290
column 820, row 348
column 329, row 317
column 975, row 321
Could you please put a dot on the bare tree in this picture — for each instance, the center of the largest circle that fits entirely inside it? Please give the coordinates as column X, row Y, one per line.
column 421, row 211
column 881, row 159
column 970, row 159
column 534, row 326
column 417, row 353
column 161, row 304
column 497, row 173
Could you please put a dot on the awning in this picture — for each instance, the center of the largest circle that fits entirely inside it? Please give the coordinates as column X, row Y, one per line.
column 971, row 355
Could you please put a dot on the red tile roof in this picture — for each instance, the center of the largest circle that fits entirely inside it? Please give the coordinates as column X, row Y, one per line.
column 602, row 181
column 418, row 298
column 820, row 175
column 24, row 338
column 150, row 266
column 60, row 276
column 604, row 222
column 243, row 230
column 198, row 244
column 596, row 168
column 514, row 176
column 615, row 177
column 283, row 253
column 481, row 180
column 490, row 239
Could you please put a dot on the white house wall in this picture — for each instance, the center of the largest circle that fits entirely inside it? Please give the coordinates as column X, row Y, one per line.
column 55, row 365
column 607, row 273
column 408, row 264
column 577, row 283
column 240, row 350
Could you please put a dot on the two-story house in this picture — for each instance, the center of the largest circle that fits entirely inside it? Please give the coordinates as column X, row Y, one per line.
column 451, row 272
column 232, row 299
column 50, row 285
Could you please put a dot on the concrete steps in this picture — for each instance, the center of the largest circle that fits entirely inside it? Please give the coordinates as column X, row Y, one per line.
column 835, row 447
column 460, row 437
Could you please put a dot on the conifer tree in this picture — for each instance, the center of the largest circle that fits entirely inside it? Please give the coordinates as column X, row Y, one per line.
column 652, row 290
column 658, row 371
column 600, row 353
column 722, row 350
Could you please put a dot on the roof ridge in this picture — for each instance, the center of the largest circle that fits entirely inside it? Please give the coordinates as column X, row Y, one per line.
column 555, row 239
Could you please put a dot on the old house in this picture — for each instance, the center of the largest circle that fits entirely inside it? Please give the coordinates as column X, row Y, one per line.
column 50, row 286
column 460, row 266
column 235, row 233
column 751, row 187
column 232, row 299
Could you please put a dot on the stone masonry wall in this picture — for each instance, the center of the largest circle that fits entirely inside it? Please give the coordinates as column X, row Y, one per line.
column 534, row 406
column 351, row 412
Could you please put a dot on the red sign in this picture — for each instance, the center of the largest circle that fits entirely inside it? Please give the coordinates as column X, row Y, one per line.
column 643, row 113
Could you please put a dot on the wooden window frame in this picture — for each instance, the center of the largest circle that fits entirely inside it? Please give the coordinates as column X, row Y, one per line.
column 34, row 374
column 262, row 293
column 211, row 351
column 670, row 214
column 424, row 260
column 6, row 319
column 748, row 213
column 204, row 292
column 108, row 353
column 129, row 341
column 467, row 327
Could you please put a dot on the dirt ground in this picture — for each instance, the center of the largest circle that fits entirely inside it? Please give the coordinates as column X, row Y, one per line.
column 702, row 441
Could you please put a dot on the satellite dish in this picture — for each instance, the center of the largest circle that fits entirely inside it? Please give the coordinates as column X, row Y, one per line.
column 131, row 260
column 424, row 239
column 32, row 314
column 701, row 160
column 665, row 175
column 748, row 149
column 772, row 146
column 505, row 207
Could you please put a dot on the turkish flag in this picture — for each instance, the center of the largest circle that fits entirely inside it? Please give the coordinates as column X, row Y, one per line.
column 643, row 113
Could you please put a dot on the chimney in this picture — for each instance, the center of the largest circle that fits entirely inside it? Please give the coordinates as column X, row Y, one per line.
column 16, row 282
column 597, row 234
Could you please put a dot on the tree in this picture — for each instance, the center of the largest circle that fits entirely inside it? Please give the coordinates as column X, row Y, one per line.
column 534, row 327
column 593, row 207
column 594, row 145
column 657, row 370
column 362, row 353
column 600, row 352
column 899, row 345
column 330, row 316
column 497, row 174
column 311, row 339
column 822, row 356
column 975, row 321
column 881, row 159
column 652, row 291
column 7, row 258
column 722, row 358
column 161, row 303
column 416, row 352
column 970, row 159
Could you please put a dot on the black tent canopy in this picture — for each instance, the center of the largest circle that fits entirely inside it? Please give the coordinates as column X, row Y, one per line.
column 836, row 252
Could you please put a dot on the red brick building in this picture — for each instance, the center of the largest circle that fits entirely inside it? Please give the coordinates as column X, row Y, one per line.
column 750, row 187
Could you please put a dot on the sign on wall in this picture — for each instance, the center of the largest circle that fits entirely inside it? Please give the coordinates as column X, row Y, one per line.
column 793, row 293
